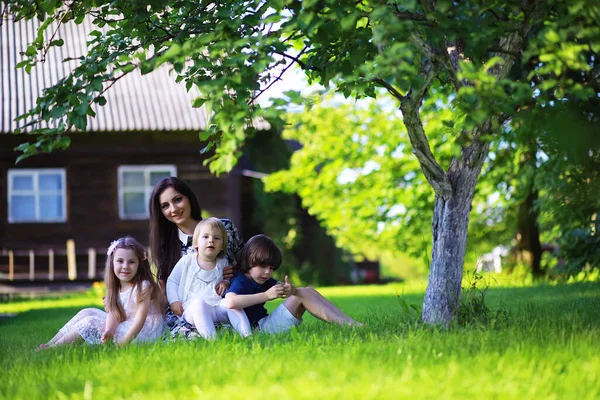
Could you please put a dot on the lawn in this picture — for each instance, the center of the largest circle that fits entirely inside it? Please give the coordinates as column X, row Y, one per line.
column 545, row 347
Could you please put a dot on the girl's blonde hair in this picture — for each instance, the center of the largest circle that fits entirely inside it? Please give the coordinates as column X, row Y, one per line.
column 113, row 284
column 213, row 223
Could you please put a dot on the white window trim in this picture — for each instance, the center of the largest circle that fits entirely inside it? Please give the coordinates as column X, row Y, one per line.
column 146, row 169
column 35, row 173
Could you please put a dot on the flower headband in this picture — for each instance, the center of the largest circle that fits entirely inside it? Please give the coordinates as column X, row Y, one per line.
column 113, row 247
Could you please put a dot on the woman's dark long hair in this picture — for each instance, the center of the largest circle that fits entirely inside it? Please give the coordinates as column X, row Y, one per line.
column 165, row 247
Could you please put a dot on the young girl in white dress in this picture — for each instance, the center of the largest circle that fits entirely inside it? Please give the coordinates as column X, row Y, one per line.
column 133, row 300
column 195, row 286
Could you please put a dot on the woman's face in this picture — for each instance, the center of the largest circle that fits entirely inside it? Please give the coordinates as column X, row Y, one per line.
column 175, row 206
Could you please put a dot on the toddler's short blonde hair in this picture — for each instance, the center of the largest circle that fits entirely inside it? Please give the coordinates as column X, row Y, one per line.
column 213, row 223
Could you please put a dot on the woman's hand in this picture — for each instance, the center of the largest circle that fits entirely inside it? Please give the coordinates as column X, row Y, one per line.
column 228, row 272
column 177, row 308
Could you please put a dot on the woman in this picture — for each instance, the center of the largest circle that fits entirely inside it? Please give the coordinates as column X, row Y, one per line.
column 174, row 214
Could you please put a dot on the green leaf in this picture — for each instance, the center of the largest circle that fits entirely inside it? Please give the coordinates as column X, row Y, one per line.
column 80, row 121
column 127, row 68
column 100, row 100
column 82, row 108
column 96, row 84
column 199, row 102
column 22, row 157
column 30, row 50
column 173, row 51
column 277, row 4
column 204, row 135
column 64, row 142
column 57, row 112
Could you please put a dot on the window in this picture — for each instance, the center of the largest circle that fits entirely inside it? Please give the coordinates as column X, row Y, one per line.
column 135, row 187
column 37, row 195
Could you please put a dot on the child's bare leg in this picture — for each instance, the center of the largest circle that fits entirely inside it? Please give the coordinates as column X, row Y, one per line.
column 199, row 314
column 68, row 327
column 308, row 299
column 69, row 337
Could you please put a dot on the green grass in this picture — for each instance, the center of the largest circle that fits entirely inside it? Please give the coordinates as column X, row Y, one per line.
column 547, row 348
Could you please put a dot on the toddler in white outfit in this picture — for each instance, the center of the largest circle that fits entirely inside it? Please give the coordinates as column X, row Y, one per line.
column 195, row 286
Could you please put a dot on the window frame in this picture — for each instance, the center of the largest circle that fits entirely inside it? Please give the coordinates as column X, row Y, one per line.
column 35, row 174
column 147, row 170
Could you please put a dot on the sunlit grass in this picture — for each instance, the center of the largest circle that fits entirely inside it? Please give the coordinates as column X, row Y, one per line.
column 547, row 348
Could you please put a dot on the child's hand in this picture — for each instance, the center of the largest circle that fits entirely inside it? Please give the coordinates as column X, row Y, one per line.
column 221, row 288
column 288, row 288
column 228, row 272
column 275, row 292
column 177, row 308
column 106, row 336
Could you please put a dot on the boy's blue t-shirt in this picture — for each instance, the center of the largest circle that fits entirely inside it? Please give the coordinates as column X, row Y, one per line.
column 241, row 284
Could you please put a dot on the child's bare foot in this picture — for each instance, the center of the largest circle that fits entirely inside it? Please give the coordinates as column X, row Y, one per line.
column 353, row 324
column 42, row 346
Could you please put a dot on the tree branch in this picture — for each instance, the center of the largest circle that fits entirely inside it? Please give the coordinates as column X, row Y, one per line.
column 422, row 46
column 113, row 81
column 296, row 59
column 410, row 106
column 415, row 95
column 407, row 15
column 60, row 22
column 389, row 88
column 452, row 57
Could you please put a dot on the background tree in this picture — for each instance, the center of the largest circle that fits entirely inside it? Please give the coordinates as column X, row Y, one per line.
column 232, row 50
column 302, row 240
column 356, row 172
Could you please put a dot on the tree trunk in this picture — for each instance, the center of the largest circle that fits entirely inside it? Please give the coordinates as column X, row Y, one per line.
column 529, row 247
column 450, row 227
column 455, row 188
column 528, row 238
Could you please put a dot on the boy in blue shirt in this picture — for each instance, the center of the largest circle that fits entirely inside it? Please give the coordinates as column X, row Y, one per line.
column 253, row 286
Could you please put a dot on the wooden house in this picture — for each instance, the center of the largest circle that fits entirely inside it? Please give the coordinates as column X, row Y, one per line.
column 98, row 189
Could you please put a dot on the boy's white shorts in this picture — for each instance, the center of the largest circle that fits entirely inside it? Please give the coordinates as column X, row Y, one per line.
column 280, row 320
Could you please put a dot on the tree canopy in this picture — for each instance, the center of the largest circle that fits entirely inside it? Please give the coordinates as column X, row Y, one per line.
column 497, row 65
column 233, row 50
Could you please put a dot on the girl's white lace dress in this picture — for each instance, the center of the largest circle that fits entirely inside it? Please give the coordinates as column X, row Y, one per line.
column 89, row 322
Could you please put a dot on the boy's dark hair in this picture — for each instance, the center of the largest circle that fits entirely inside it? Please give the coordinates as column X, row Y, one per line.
column 260, row 250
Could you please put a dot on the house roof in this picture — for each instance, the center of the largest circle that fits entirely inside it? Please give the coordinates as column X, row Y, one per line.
column 152, row 102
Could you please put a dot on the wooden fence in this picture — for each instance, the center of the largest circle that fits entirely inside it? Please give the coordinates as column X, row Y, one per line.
column 51, row 254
